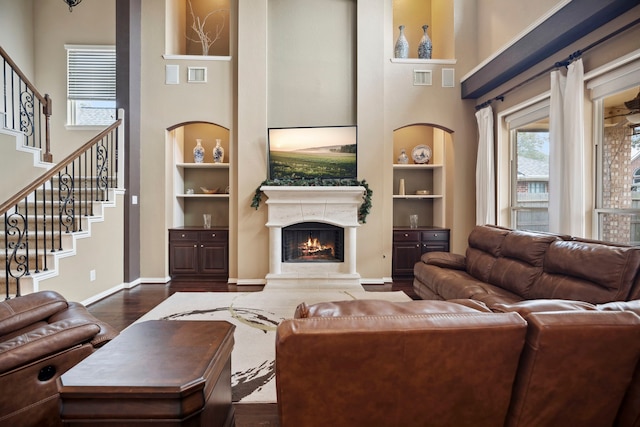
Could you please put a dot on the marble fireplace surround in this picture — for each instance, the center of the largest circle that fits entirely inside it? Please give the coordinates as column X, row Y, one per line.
column 294, row 205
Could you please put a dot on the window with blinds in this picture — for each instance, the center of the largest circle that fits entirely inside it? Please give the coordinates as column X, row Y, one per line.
column 91, row 85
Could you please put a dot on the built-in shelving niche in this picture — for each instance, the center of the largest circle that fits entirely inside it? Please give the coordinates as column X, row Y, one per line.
column 180, row 38
column 188, row 207
column 437, row 14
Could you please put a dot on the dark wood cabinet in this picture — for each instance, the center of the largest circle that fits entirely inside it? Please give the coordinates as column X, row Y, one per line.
column 410, row 243
column 199, row 253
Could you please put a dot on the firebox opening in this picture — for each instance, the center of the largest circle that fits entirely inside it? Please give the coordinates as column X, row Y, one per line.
column 312, row 242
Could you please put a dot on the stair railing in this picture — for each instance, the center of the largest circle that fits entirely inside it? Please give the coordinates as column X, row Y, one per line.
column 37, row 218
column 25, row 109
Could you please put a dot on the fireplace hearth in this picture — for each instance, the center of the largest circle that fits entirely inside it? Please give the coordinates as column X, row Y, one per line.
column 321, row 258
column 312, row 242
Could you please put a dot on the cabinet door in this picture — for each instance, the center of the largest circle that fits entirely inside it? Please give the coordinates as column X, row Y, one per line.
column 214, row 256
column 213, row 259
column 405, row 255
column 183, row 257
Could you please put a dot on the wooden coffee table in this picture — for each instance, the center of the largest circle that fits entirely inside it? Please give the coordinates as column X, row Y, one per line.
column 159, row 372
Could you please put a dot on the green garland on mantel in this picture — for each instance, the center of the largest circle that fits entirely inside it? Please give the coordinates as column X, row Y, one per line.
column 363, row 211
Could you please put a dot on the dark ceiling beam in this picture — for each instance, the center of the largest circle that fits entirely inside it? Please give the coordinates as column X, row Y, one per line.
column 574, row 21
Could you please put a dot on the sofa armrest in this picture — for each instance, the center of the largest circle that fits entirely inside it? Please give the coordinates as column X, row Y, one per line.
column 79, row 311
column 44, row 341
column 445, row 260
column 20, row 312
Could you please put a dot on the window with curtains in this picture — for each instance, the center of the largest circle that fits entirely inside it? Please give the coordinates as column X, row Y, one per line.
column 530, row 177
column 91, row 85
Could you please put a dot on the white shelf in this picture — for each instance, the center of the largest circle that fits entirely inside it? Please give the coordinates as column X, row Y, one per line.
column 203, row 165
column 203, row 196
column 424, row 61
column 417, row 196
column 416, row 166
column 197, row 57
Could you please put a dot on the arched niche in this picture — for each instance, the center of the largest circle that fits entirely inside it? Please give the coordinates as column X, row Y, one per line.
column 189, row 200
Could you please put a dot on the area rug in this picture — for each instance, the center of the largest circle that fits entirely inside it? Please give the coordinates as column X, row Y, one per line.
column 256, row 316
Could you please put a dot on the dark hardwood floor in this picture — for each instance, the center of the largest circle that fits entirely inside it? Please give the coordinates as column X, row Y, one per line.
column 126, row 306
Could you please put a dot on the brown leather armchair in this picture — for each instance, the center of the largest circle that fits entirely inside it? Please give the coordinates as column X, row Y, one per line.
column 42, row 335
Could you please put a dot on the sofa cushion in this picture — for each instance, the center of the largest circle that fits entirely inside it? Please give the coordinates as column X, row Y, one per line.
column 527, row 246
column 485, row 245
column 22, row 311
column 586, row 271
column 521, row 261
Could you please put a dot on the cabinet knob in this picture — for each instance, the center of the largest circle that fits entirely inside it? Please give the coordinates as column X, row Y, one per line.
column 183, row 235
column 435, row 235
column 195, row 246
column 202, row 246
column 418, row 245
column 213, row 235
column 406, row 234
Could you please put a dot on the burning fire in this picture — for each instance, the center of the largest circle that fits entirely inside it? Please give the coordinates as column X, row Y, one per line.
column 313, row 246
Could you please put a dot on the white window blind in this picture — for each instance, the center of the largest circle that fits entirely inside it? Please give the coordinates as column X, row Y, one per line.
column 91, row 73
column 91, row 85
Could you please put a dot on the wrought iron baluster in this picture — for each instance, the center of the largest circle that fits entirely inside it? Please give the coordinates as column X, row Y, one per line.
column 44, row 226
column 16, row 225
column 102, row 159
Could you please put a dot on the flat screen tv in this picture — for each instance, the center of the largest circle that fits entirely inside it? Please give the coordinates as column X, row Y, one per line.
column 325, row 152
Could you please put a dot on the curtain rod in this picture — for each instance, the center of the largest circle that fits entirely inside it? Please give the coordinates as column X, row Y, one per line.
column 575, row 55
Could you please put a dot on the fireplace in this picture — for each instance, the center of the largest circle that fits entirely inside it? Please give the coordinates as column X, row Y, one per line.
column 330, row 215
column 312, row 242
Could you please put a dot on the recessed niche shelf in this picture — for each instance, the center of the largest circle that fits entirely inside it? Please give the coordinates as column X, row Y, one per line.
column 424, row 61
column 197, row 57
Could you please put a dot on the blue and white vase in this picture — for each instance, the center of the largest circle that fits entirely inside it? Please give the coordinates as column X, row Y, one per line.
column 402, row 45
column 198, row 152
column 218, row 152
column 425, row 46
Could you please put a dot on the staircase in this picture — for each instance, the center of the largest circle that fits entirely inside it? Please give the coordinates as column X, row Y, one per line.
column 43, row 222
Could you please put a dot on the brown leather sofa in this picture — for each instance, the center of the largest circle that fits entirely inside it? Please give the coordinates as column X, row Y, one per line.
column 443, row 363
column 42, row 335
column 507, row 266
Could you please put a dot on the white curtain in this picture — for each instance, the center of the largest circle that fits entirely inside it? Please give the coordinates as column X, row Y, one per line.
column 566, row 157
column 485, row 169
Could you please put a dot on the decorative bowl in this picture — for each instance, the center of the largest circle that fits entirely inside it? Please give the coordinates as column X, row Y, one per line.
column 206, row 190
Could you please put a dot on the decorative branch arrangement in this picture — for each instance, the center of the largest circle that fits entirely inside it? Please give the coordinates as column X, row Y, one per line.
column 363, row 211
column 197, row 25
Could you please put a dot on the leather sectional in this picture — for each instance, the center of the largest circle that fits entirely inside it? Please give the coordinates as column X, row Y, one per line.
column 458, row 363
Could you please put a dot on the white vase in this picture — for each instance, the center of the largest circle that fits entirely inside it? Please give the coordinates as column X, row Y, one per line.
column 198, row 152
column 402, row 45
column 218, row 152
column 403, row 159
column 425, row 46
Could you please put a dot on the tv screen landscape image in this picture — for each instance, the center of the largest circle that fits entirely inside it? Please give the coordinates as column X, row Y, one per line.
column 327, row 152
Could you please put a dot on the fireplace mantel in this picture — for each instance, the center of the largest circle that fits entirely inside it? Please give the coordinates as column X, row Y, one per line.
column 289, row 205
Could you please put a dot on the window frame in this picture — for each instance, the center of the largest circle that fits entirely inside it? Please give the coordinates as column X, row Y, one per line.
column 106, row 86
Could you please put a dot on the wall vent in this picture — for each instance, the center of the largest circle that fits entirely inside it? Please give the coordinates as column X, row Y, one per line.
column 448, row 77
column 422, row 78
column 172, row 74
column 197, row 75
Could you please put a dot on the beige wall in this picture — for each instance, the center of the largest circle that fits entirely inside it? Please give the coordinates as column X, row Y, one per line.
column 102, row 252
column 501, row 21
column 16, row 33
